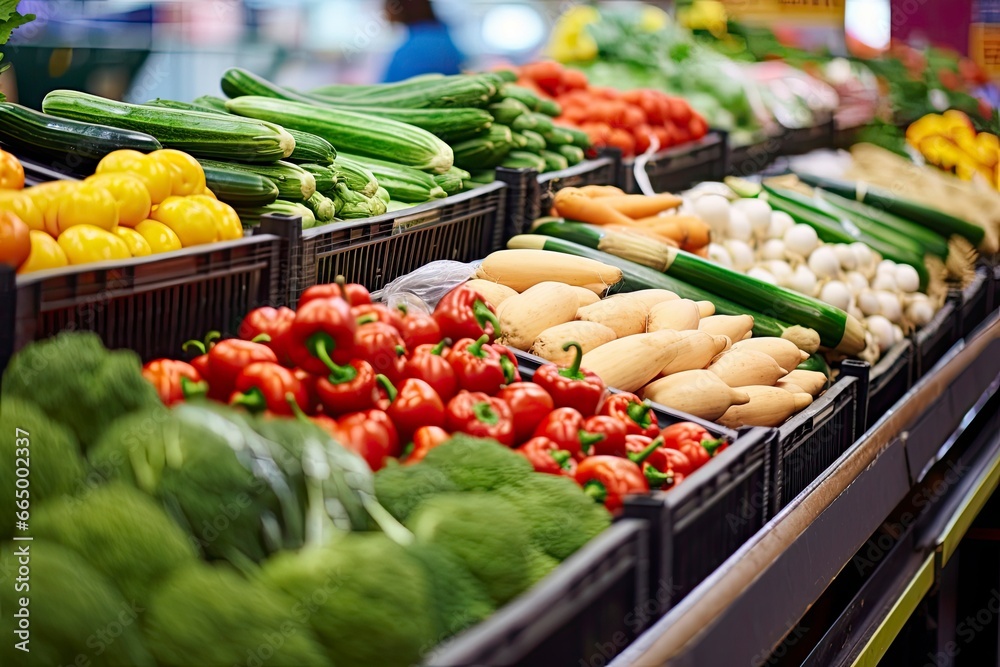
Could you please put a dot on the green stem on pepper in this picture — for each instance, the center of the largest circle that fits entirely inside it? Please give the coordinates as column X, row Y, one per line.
column 595, row 490
column 252, row 400
column 485, row 413
column 712, row 445
column 439, row 348
column 390, row 389
column 572, row 371
column 320, row 345
column 485, row 316
column 476, row 349
column 639, row 413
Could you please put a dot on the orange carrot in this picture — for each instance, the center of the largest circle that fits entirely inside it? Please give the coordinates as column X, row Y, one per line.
column 573, row 204
column 642, row 206
column 601, row 191
column 647, row 233
column 689, row 231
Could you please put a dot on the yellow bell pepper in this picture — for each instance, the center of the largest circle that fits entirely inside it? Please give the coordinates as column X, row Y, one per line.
column 192, row 221
column 987, row 148
column 11, row 172
column 187, row 175
column 152, row 172
column 87, row 243
column 86, row 205
column 46, row 198
column 23, row 206
column 227, row 222
column 570, row 40
column 130, row 193
column 136, row 242
column 159, row 237
column 208, row 193
column 45, row 253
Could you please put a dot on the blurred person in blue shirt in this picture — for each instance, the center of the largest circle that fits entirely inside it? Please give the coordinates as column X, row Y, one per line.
column 428, row 48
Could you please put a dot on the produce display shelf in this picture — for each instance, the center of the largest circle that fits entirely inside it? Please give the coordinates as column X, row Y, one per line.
column 810, row 441
column 151, row 304
column 375, row 251
column 679, row 168
column 803, row 140
column 889, row 379
column 591, row 604
column 937, row 336
column 749, row 159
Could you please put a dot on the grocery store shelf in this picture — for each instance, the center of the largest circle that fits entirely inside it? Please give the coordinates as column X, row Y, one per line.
column 748, row 606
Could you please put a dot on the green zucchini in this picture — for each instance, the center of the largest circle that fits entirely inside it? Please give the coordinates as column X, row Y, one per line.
column 384, row 195
column 201, row 134
column 403, row 183
column 932, row 218
column 322, row 207
column 452, row 180
column 484, row 152
column 535, row 141
column 446, row 124
column 211, row 102
column 36, row 134
column 184, row 106
column 250, row 216
column 525, row 122
column 355, row 176
column 580, row 138
column 294, row 183
column 506, row 75
column 237, row 187
column 340, row 90
column 483, row 176
column 523, row 160
column 573, row 154
column 311, row 149
column 554, row 161
column 816, row 362
column 441, row 92
column 522, row 95
column 352, row 205
column 325, row 177
column 353, row 132
column 557, row 136
column 518, row 141
column 549, row 107
column 506, row 111
column 543, row 125
column 837, row 329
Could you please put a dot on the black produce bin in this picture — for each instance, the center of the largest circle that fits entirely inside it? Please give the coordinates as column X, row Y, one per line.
column 149, row 304
column 679, row 168
column 976, row 302
column 889, row 380
column 376, row 251
column 592, row 605
column 752, row 158
column 937, row 336
column 809, row 442
column 803, row 140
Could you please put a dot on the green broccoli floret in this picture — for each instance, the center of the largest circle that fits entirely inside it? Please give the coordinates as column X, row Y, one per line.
column 55, row 464
column 121, row 532
column 79, row 383
column 458, row 600
column 540, row 564
column 474, row 464
column 561, row 517
column 401, row 488
column 73, row 611
column 485, row 531
column 220, row 487
column 365, row 600
column 212, row 617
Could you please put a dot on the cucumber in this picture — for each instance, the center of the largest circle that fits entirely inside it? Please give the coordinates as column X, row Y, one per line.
column 483, row 176
column 322, row 207
column 518, row 141
column 185, row 106
column 557, row 136
column 549, row 107
column 485, row 152
column 355, row 176
column 446, row 124
column 580, row 138
column 352, row 205
column 522, row 95
column 573, row 154
column 326, row 179
column 440, row 92
column 250, row 215
column 535, row 141
column 311, row 149
column 294, row 183
column 211, row 102
column 554, row 161
column 238, row 187
column 506, row 111
column 523, row 160
column 40, row 135
column 402, row 183
column 452, row 180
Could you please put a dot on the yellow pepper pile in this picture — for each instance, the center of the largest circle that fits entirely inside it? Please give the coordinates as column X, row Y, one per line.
column 134, row 205
column 950, row 141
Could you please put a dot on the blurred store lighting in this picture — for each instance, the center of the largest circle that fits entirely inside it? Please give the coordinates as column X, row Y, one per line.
column 513, row 28
column 869, row 22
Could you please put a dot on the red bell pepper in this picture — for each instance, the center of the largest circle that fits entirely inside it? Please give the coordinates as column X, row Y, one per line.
column 309, row 382
column 353, row 293
column 370, row 434
column 564, row 426
column 546, row 457
column 322, row 335
column 427, row 363
column 482, row 416
column 613, row 431
column 265, row 385
column 273, row 322
column 529, row 403
column 413, row 405
column 328, row 424
column 227, row 359
column 377, row 312
column 463, row 313
column 174, row 381
column 200, row 363
column 424, row 440
column 637, row 415
column 572, row 387
column 418, row 328
column 609, row 479
column 349, row 388
column 481, row 367
column 379, row 344
column 659, row 464
column 693, row 441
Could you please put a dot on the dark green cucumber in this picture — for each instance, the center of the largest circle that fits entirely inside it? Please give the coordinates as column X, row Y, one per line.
column 549, row 107
column 484, row 152
column 507, row 111
column 536, row 142
column 402, row 183
column 817, row 363
column 326, row 179
column 186, row 106
column 448, row 125
column 34, row 133
column 211, row 102
column 452, row 180
column 573, row 154
column 294, row 183
column 519, row 142
column 522, row 95
column 355, row 176
column 554, row 161
column 441, row 92
column 557, row 136
column 238, row 187
column 580, row 138
column 524, row 160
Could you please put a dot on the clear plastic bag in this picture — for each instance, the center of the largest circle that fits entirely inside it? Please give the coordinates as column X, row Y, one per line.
column 427, row 285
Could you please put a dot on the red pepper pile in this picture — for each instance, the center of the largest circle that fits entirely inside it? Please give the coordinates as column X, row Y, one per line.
column 390, row 384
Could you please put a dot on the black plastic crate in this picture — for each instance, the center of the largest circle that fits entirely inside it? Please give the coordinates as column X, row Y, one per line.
column 376, row 251
column 937, row 336
column 813, row 439
column 149, row 304
column 751, row 158
column 975, row 302
column 806, row 139
column 889, row 380
column 591, row 605
column 523, row 200
column 679, row 168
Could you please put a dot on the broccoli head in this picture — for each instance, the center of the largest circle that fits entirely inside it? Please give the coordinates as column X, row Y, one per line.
column 210, row 616
column 121, row 532
column 365, row 600
column 56, row 466
column 78, row 382
column 219, row 485
column 560, row 516
column 485, row 531
column 475, row 464
column 540, row 564
column 458, row 600
column 401, row 488
column 73, row 611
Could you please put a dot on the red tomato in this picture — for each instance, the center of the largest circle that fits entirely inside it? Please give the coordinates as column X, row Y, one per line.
column 664, row 136
column 546, row 73
column 633, row 116
column 623, row 140
column 680, row 111
column 574, row 114
column 607, row 93
column 649, row 102
column 573, row 79
column 597, row 131
column 643, row 136
column 697, row 127
column 633, row 96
